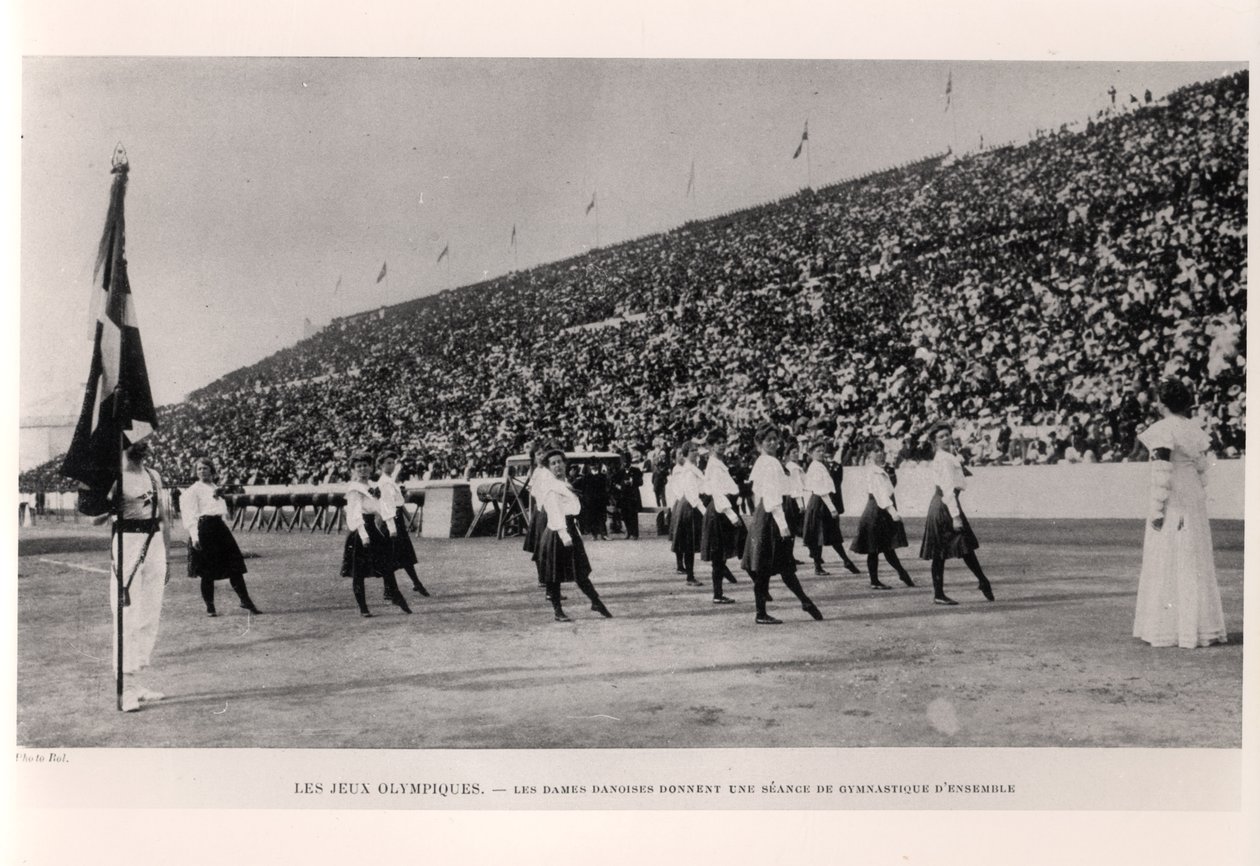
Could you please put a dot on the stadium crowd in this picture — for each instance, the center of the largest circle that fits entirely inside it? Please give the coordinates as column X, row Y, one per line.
column 1034, row 293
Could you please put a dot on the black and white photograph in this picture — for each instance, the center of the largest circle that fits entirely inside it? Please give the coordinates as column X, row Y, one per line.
column 632, row 433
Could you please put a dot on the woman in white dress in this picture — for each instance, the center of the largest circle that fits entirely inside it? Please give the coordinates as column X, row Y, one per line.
column 1178, row 600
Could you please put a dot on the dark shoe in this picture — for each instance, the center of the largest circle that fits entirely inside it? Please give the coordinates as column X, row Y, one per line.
column 691, row 581
column 730, row 576
column 250, row 607
column 723, row 600
column 944, row 599
column 561, row 616
column 768, row 596
column 812, row 610
column 987, row 591
column 401, row 603
column 210, row 611
column 875, row 584
column 798, row 562
column 819, row 570
column 905, row 578
column 366, row 613
column 680, row 571
column 419, row 587
column 599, row 608
column 852, row 569
column 767, row 619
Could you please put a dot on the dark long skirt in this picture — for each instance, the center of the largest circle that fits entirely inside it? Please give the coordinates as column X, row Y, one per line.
column 404, row 552
column 673, row 518
column 767, row 551
column 219, row 557
column 374, row 560
column 820, row 527
column 562, row 564
column 940, row 540
column 877, row 532
column 687, row 531
column 792, row 511
column 720, row 539
column 533, row 534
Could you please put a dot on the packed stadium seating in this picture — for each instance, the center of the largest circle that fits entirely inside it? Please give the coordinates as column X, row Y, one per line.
column 1032, row 292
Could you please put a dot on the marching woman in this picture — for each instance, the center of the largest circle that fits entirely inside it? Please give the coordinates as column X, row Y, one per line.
column 212, row 551
column 673, row 505
column 1178, row 600
column 794, row 505
column 689, row 523
column 563, row 555
column 722, row 533
column 369, row 551
column 394, row 517
column 821, row 526
column 145, row 570
column 946, row 532
column 536, row 486
column 880, row 530
column 769, row 548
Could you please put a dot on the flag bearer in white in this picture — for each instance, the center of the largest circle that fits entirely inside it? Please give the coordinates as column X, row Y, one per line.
column 146, row 536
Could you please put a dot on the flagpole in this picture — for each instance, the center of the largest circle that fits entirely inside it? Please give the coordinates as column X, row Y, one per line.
column 809, row 168
column 119, row 564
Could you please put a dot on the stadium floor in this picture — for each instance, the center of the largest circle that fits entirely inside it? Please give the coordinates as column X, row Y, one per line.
column 481, row 664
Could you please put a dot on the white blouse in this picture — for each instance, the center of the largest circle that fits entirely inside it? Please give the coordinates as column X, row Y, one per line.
column 718, row 483
column 796, row 480
column 537, row 484
column 361, row 506
column 560, row 501
column 671, row 487
column 880, row 487
column 770, row 485
column 199, row 501
column 818, row 482
column 689, row 484
column 391, row 495
column 947, row 474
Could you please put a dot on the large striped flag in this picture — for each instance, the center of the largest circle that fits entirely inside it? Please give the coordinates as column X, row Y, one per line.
column 117, row 400
column 801, row 143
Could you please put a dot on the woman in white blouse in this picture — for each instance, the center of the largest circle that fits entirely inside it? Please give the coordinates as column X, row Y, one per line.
column 688, row 484
column 722, row 533
column 212, row 551
column 673, row 505
column 368, row 550
column 946, row 532
column 535, row 487
column 880, row 529
column 769, row 548
column 394, row 518
column 1178, row 599
column 821, row 526
column 563, row 553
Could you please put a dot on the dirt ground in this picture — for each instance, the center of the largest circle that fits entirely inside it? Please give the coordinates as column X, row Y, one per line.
column 481, row 664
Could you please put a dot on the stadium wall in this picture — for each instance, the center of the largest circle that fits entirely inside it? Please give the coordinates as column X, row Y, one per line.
column 1063, row 491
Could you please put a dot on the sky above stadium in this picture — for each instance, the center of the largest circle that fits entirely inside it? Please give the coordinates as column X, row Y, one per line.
column 264, row 192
